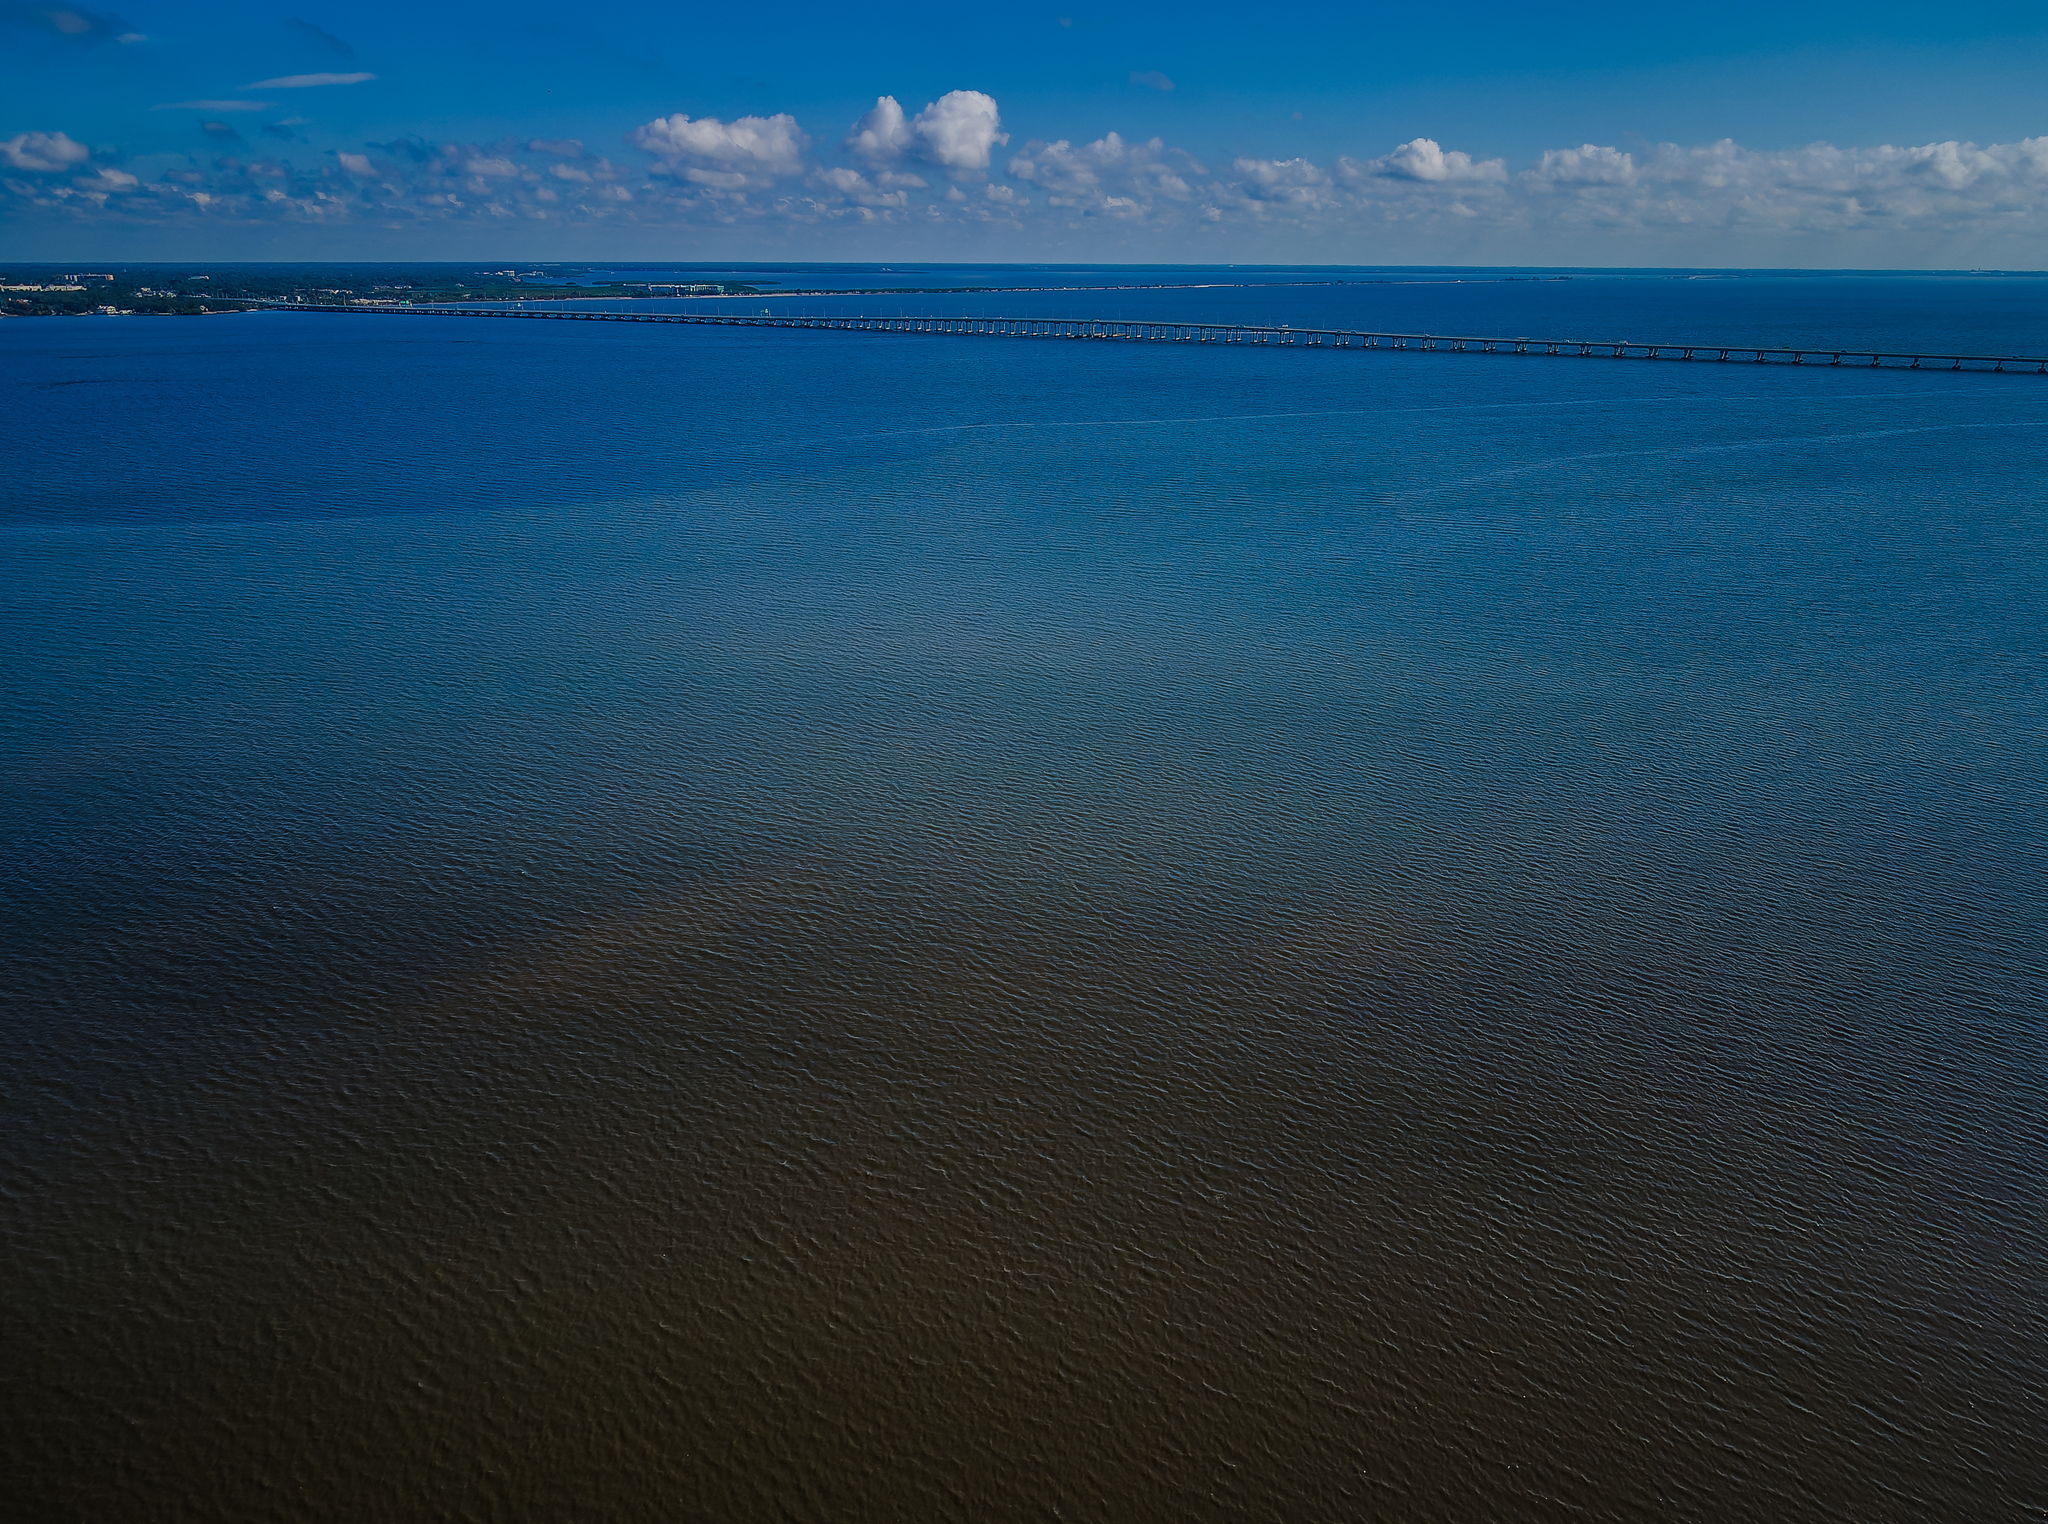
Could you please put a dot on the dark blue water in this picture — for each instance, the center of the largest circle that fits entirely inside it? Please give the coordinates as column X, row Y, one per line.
column 615, row 923
column 915, row 276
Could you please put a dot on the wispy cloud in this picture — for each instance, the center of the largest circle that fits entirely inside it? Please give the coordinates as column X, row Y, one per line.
column 321, row 35
column 213, row 106
column 1151, row 79
column 308, row 81
column 73, row 23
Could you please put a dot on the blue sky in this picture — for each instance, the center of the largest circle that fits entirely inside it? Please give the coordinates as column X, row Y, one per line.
column 1806, row 134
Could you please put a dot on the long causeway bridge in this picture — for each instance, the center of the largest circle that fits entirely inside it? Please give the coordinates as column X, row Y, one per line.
column 1114, row 330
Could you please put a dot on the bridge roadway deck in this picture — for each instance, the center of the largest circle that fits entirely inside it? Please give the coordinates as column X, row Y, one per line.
column 1139, row 331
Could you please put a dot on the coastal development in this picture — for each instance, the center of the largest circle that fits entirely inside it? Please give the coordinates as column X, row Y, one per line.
column 167, row 291
column 160, row 291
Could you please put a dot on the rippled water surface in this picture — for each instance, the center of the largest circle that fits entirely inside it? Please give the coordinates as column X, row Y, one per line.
column 618, row 923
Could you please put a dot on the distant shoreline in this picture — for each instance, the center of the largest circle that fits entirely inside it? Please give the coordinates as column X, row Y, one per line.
column 191, row 304
column 1207, row 285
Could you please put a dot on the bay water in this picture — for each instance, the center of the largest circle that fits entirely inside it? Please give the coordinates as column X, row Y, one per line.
column 618, row 923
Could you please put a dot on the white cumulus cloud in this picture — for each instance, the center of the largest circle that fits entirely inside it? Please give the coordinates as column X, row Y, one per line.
column 1109, row 169
column 1295, row 183
column 959, row 128
column 1426, row 160
column 1947, row 203
column 725, row 154
column 957, row 132
column 42, row 152
column 882, row 135
column 1588, row 164
column 858, row 189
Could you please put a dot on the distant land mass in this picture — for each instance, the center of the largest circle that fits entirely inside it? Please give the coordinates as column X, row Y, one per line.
column 199, row 289
column 195, row 290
